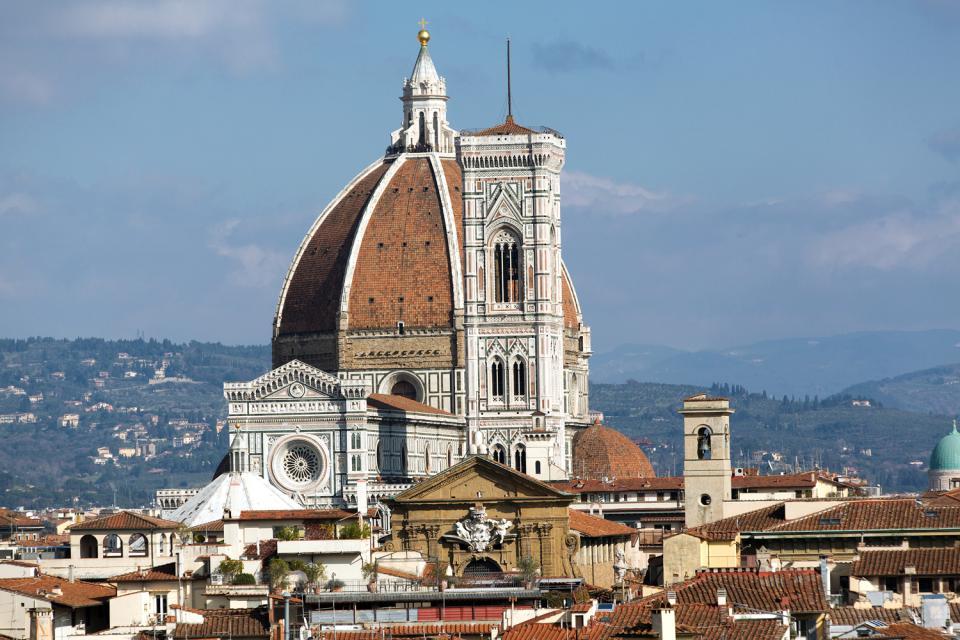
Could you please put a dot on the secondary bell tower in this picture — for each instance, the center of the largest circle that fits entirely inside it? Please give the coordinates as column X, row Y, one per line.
column 706, row 458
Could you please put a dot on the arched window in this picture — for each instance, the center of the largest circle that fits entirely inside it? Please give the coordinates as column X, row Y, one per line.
column 137, row 545
column 163, row 543
column 500, row 453
column 704, row 451
column 112, row 546
column 355, row 440
column 404, row 388
column 423, row 129
column 519, row 378
column 356, row 463
column 520, row 458
column 506, row 268
column 497, row 381
column 380, row 455
column 89, row 547
column 427, row 466
column 436, row 131
column 536, row 467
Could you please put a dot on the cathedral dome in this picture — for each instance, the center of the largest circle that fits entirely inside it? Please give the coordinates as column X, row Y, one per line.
column 385, row 256
column 601, row 452
column 946, row 455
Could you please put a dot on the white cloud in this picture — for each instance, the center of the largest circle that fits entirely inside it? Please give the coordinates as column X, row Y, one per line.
column 257, row 266
column 903, row 239
column 603, row 195
column 18, row 204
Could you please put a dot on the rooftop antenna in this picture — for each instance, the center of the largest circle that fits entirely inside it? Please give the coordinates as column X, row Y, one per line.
column 509, row 94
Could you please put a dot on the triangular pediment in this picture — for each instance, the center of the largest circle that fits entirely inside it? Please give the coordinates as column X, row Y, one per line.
column 504, row 202
column 478, row 478
column 294, row 380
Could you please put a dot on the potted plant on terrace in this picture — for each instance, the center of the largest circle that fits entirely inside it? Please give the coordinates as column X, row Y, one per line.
column 314, row 572
column 369, row 571
column 278, row 570
column 529, row 569
column 335, row 584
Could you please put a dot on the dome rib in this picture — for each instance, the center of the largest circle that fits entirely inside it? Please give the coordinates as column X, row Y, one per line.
column 401, row 267
column 600, row 453
column 310, row 296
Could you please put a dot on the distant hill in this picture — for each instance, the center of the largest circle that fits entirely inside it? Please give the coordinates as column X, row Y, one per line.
column 878, row 442
column 935, row 390
column 796, row 367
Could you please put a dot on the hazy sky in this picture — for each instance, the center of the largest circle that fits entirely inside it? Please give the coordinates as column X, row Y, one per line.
column 736, row 171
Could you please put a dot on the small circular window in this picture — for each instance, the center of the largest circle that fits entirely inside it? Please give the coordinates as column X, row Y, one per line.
column 705, row 499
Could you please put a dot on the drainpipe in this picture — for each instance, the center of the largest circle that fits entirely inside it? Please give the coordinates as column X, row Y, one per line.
column 286, row 615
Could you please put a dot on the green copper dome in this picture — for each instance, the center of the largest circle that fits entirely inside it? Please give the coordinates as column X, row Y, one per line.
column 946, row 455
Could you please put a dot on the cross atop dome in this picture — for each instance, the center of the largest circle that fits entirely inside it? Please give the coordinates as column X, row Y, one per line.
column 424, row 127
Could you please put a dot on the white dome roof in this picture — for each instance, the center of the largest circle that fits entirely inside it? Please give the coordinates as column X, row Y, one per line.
column 233, row 493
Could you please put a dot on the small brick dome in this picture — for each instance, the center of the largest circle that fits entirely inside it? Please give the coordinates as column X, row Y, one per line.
column 601, row 452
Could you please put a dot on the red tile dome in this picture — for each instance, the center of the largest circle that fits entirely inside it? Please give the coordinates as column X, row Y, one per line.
column 388, row 250
column 601, row 452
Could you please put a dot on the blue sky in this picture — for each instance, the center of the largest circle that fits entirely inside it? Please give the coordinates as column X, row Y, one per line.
column 735, row 171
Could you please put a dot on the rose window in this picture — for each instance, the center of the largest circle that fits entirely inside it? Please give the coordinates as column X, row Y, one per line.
column 301, row 463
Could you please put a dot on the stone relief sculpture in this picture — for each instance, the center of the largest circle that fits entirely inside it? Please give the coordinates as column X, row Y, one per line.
column 479, row 532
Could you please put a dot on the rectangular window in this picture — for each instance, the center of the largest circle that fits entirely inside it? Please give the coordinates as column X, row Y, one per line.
column 160, row 604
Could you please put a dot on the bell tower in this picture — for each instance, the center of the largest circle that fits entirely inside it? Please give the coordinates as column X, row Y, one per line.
column 706, row 458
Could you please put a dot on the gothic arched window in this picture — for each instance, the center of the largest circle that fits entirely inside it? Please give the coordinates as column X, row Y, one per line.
column 497, row 380
column 703, row 443
column 506, row 267
column 500, row 453
column 520, row 458
column 519, row 378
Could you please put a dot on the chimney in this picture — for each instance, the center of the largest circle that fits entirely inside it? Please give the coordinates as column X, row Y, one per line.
column 672, row 598
column 70, row 577
column 825, row 576
column 41, row 624
column 56, row 590
column 665, row 623
column 721, row 597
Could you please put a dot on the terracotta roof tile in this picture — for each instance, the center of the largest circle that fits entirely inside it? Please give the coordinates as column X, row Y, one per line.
column 594, row 527
column 160, row 573
column 73, row 594
column 296, row 514
column 878, row 514
column 124, row 521
column 227, row 623
column 386, row 402
column 910, row 631
column 507, row 128
column 212, row 526
column 853, row 616
column 761, row 519
column 892, row 562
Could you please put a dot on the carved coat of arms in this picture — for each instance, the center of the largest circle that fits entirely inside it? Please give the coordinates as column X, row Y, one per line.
column 479, row 532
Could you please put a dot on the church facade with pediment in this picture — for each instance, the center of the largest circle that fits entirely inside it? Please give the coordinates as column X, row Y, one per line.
column 426, row 316
column 480, row 516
